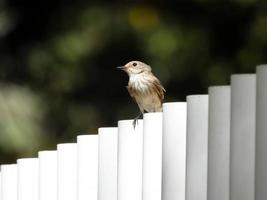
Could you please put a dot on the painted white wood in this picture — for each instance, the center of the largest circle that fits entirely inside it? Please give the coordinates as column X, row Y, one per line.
column 197, row 147
column 130, row 159
column 261, row 134
column 47, row 175
column 152, row 156
column 9, row 182
column 0, row 186
column 67, row 171
column 174, row 151
column 219, row 143
column 87, row 167
column 108, row 163
column 243, row 119
column 28, row 179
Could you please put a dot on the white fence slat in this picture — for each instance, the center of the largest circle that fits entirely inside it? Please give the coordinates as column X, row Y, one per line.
column 67, row 171
column 130, row 158
column 108, row 163
column 9, row 182
column 197, row 147
column 87, row 167
column 152, row 156
column 243, row 111
column 0, row 186
column 219, row 143
column 47, row 175
column 174, row 151
column 261, row 134
column 28, row 179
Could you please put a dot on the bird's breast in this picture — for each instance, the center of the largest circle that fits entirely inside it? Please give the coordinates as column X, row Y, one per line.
column 139, row 84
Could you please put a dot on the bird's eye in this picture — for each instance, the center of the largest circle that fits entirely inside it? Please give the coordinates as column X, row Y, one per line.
column 134, row 64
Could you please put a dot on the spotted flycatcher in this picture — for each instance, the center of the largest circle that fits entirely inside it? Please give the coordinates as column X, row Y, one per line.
column 144, row 87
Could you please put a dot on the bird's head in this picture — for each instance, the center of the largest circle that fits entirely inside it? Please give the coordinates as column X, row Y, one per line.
column 135, row 67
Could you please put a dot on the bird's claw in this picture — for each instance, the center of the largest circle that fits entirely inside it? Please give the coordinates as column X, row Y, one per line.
column 135, row 122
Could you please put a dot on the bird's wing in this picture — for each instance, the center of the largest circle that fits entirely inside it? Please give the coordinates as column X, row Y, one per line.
column 131, row 92
column 159, row 89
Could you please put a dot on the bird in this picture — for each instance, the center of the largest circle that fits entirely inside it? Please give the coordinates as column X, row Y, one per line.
column 144, row 87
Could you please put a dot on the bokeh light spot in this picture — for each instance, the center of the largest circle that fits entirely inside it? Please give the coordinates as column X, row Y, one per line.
column 143, row 17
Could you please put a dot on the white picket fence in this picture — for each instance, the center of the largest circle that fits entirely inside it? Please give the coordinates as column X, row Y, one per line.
column 212, row 147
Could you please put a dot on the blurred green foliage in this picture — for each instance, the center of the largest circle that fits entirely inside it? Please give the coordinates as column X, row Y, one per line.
column 58, row 59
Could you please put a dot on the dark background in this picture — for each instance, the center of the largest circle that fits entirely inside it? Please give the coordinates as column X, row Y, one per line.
column 57, row 60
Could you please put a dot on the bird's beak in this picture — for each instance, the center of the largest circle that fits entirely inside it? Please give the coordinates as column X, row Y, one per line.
column 121, row 67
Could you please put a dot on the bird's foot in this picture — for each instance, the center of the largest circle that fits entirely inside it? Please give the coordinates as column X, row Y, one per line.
column 135, row 121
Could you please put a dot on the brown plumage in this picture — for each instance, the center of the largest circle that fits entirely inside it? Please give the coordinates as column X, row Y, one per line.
column 144, row 87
